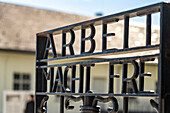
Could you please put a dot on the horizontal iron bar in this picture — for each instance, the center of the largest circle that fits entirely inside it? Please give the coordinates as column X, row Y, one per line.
column 99, row 61
column 101, row 94
column 75, row 78
column 105, row 53
column 107, row 19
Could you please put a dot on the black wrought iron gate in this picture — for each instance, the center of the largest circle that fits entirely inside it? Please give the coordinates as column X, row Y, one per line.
column 56, row 73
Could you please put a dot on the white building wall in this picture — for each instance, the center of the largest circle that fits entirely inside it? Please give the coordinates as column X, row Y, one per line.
column 15, row 101
column 10, row 63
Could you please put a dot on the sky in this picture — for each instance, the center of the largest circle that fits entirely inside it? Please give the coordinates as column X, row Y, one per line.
column 85, row 7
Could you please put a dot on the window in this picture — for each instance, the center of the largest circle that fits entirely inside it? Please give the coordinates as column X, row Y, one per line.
column 22, row 81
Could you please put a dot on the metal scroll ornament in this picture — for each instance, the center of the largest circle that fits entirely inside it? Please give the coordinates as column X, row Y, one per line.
column 42, row 108
column 90, row 103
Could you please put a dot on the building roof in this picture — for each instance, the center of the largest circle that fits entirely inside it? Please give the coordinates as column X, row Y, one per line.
column 19, row 25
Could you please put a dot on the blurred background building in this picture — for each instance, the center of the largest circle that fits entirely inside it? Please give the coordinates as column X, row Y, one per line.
column 19, row 25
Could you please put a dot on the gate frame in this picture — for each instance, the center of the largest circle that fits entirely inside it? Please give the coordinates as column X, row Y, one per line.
column 164, row 55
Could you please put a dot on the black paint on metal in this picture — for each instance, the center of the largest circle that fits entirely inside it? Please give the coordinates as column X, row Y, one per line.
column 125, row 66
column 148, row 29
column 45, row 70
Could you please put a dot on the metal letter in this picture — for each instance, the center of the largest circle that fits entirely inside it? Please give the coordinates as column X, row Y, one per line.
column 70, row 44
column 59, row 77
column 104, row 37
column 134, row 76
column 90, row 38
column 50, row 41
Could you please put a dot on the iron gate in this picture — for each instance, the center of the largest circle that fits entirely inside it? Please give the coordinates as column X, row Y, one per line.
column 68, row 60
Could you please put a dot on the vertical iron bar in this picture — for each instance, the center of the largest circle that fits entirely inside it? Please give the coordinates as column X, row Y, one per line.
column 148, row 30
column 125, row 105
column 126, row 33
column 41, row 83
column 62, row 98
column 164, row 59
column 81, row 83
column 87, row 79
column 53, row 45
column 73, row 81
column 125, row 66
column 83, row 33
column 124, row 84
column 111, row 79
column 104, row 43
column 124, row 75
column 51, row 79
column 63, row 53
column 61, row 104
column 141, row 78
